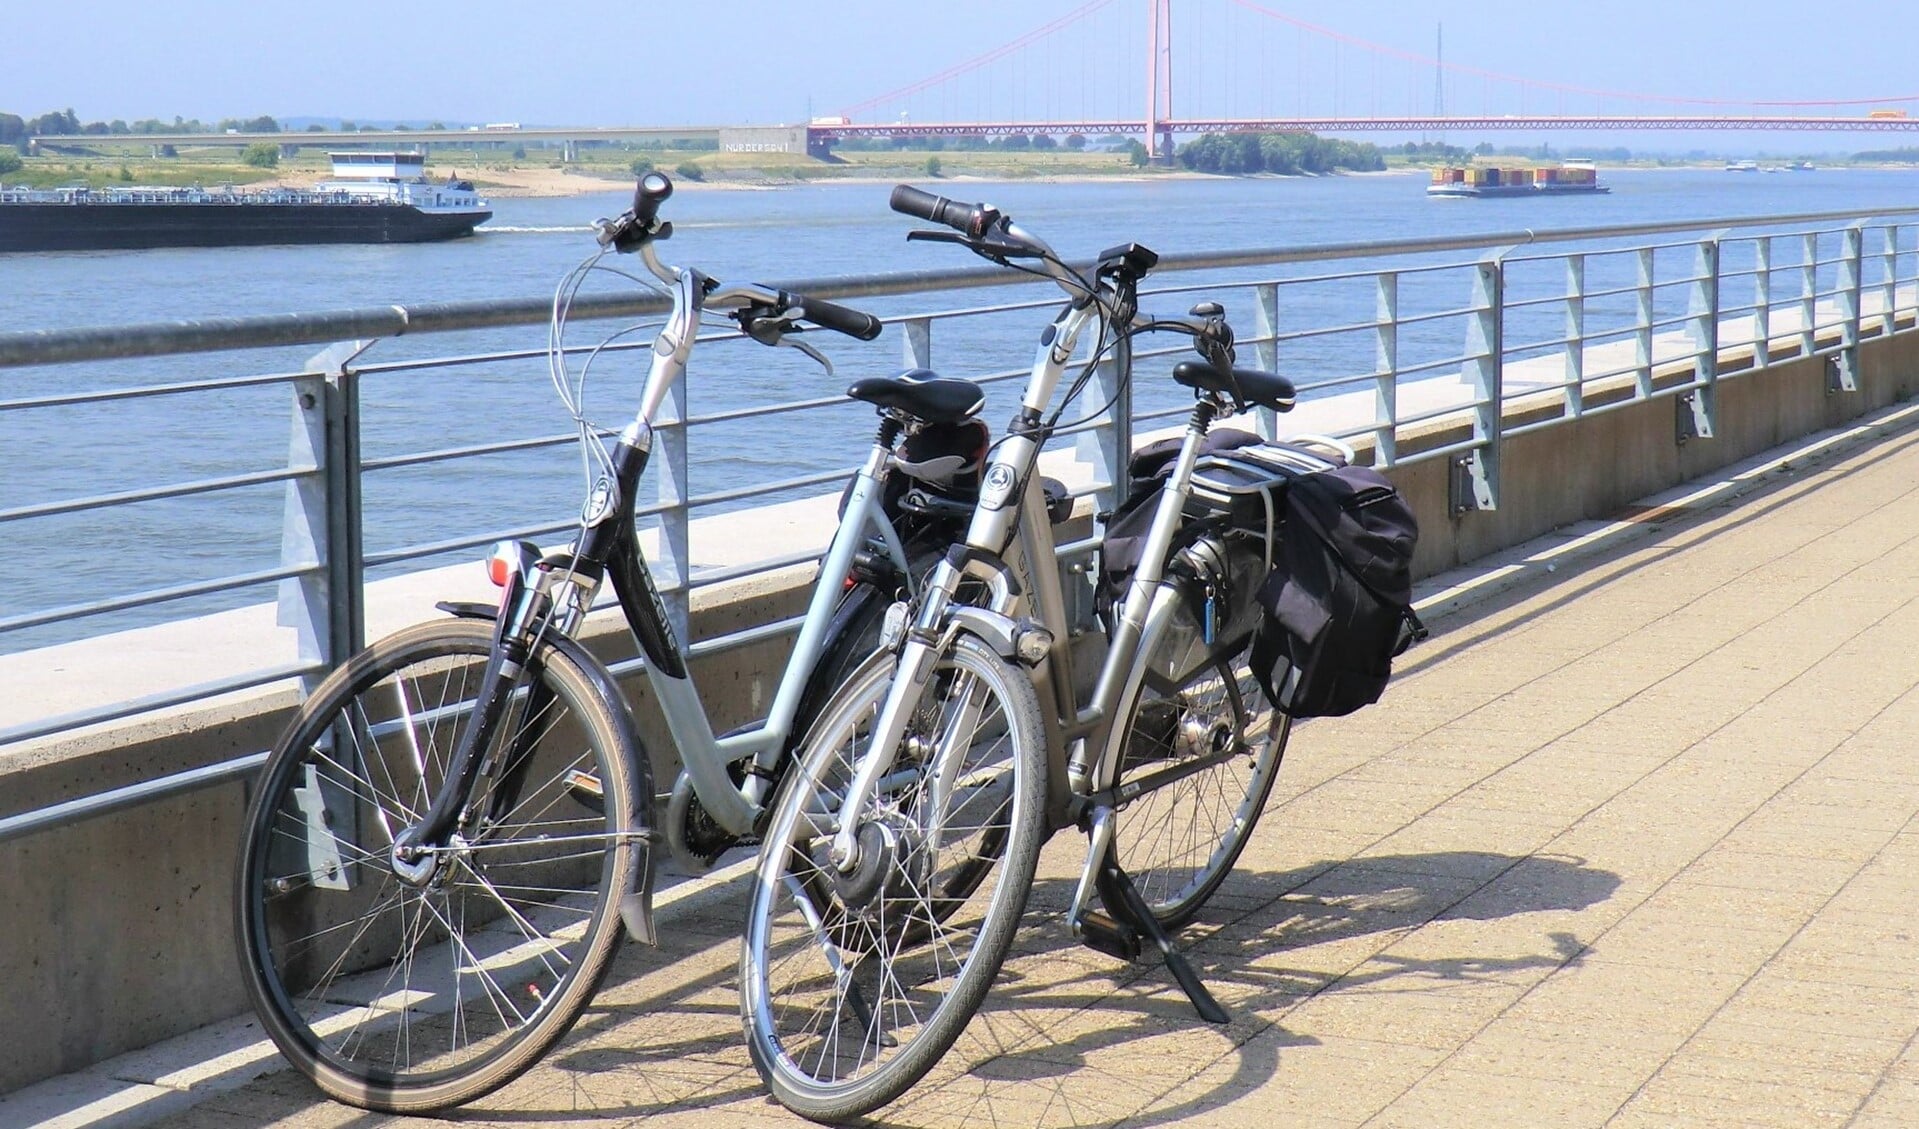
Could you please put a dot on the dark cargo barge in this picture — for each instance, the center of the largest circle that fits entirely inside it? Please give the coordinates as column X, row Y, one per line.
column 374, row 198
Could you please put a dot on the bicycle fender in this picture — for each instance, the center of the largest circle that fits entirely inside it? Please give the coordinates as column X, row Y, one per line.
column 636, row 904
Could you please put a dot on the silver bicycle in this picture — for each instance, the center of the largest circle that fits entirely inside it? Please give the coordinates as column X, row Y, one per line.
column 900, row 853
column 446, row 839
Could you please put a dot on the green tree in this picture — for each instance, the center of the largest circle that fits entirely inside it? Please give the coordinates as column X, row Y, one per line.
column 519, row 152
column 13, row 129
column 1016, row 143
column 641, row 166
column 262, row 124
column 1044, row 141
column 10, row 161
column 1136, row 153
column 690, row 171
column 1076, row 141
column 932, row 166
column 54, row 123
column 262, row 155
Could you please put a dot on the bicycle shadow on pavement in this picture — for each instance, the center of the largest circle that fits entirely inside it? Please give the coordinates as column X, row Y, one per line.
column 1070, row 1036
column 1114, row 1043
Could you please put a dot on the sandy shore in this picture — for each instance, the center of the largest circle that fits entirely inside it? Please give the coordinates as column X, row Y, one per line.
column 547, row 181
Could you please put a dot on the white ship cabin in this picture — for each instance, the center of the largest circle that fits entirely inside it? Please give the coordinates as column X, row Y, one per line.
column 399, row 177
column 379, row 166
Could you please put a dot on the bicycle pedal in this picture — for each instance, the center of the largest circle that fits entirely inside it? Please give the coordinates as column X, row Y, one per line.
column 586, row 790
column 1102, row 934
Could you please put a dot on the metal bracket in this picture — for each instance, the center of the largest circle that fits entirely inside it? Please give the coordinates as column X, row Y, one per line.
column 325, row 868
column 1467, row 487
column 1839, row 376
column 1685, row 419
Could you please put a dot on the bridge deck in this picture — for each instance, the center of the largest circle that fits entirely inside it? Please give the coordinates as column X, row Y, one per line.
column 1636, row 844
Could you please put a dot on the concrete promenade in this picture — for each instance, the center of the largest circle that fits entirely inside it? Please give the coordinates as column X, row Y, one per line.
column 1633, row 841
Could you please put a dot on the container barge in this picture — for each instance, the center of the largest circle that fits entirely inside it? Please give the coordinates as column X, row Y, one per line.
column 1462, row 183
column 372, row 198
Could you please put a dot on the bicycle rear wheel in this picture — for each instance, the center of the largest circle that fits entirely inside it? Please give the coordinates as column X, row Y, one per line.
column 1206, row 746
column 408, row 993
column 854, row 986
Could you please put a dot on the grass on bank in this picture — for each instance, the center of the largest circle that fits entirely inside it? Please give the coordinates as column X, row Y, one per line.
column 114, row 162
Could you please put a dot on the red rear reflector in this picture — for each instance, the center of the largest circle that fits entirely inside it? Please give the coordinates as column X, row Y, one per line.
column 499, row 570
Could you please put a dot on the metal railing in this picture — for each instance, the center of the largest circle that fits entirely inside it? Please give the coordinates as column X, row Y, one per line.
column 1420, row 349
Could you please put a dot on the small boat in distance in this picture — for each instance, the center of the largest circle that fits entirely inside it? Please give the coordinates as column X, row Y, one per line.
column 1742, row 166
column 1576, row 177
column 372, row 198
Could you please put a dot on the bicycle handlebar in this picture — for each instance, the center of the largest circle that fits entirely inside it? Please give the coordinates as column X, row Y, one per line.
column 970, row 220
column 831, row 315
column 653, row 190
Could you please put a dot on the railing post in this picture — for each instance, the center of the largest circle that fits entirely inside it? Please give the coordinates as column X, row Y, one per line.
column 1266, row 351
column 1851, row 265
column 1575, row 367
column 917, row 336
column 1475, row 483
column 673, row 559
column 1700, row 410
column 321, row 529
column 1809, row 295
column 1642, row 332
column 1108, row 445
column 1386, row 370
column 1888, row 282
column 1762, row 301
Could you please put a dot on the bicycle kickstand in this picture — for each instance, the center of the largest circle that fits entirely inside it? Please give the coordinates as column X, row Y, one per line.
column 1121, row 896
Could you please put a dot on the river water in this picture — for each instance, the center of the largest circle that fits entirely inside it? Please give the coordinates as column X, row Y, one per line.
column 784, row 234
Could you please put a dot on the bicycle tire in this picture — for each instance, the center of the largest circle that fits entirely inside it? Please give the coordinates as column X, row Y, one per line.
column 410, row 998
column 803, row 920
column 1179, row 841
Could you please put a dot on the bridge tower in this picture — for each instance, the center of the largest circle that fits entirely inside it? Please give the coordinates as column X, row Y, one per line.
column 1159, row 82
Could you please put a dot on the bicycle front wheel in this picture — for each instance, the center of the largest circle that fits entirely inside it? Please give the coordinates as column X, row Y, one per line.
column 854, row 985
column 1201, row 747
column 409, row 988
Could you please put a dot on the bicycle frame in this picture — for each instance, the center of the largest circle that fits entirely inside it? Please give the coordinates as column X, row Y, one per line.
column 1010, row 546
column 607, row 547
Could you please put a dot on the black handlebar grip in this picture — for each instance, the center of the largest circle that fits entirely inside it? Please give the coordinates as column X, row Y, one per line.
column 968, row 219
column 827, row 315
column 649, row 194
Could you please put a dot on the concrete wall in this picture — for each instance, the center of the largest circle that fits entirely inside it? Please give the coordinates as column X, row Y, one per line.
column 116, row 932
column 764, row 139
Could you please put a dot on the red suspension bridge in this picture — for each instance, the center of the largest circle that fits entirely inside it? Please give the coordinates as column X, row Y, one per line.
column 1247, row 67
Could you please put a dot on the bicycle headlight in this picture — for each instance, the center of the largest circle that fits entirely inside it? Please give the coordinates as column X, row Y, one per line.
column 1032, row 644
column 893, row 626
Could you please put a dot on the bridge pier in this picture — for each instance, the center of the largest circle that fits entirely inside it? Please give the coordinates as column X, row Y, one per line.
column 1161, row 147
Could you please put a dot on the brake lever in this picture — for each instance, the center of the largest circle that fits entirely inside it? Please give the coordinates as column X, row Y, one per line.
column 923, row 236
column 789, row 342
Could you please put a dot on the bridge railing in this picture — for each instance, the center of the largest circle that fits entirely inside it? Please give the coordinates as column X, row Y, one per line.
column 1416, row 350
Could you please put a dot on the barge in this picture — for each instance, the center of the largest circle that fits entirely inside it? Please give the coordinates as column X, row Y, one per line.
column 1470, row 183
column 372, row 198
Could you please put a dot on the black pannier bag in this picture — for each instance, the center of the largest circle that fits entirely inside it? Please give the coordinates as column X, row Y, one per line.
column 1124, row 540
column 1338, row 603
column 1329, row 552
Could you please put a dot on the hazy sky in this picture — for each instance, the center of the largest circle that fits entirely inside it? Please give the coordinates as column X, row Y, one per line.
column 637, row 62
